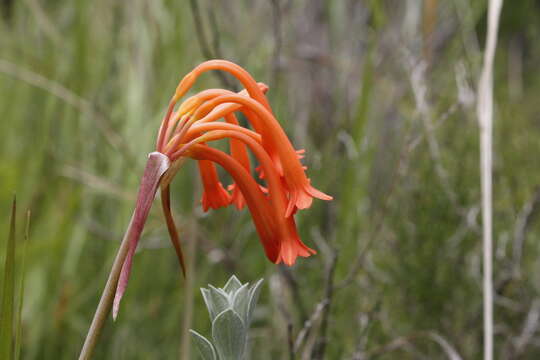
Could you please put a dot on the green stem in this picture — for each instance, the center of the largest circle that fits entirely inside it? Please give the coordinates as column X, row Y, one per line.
column 107, row 297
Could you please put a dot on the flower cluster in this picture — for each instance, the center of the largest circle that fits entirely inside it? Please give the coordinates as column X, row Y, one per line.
column 188, row 132
column 189, row 129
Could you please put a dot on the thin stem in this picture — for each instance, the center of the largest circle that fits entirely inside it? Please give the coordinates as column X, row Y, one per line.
column 107, row 297
column 189, row 288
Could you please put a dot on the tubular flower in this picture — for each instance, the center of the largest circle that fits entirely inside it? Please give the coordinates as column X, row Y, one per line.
column 214, row 195
column 189, row 129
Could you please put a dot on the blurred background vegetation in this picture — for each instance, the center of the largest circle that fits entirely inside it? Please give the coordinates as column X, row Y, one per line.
column 381, row 93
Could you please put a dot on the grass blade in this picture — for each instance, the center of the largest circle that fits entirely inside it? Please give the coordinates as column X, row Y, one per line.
column 8, row 293
column 18, row 322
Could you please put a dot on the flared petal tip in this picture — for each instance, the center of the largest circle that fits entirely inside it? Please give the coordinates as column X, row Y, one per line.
column 264, row 88
column 303, row 198
column 237, row 199
column 215, row 198
column 318, row 194
column 291, row 251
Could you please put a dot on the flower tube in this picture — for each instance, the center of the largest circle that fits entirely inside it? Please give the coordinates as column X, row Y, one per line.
column 259, row 207
column 214, row 194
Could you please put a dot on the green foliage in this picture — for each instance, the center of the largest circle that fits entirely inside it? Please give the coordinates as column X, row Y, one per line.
column 7, row 318
column 11, row 301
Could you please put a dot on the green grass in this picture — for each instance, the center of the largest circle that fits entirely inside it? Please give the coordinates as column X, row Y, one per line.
column 7, row 318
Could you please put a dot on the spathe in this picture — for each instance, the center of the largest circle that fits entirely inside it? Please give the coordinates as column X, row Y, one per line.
column 156, row 166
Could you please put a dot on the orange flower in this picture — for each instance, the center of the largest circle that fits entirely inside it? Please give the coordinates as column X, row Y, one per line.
column 214, row 195
column 187, row 131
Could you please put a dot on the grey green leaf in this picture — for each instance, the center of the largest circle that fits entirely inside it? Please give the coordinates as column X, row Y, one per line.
column 216, row 301
column 205, row 347
column 230, row 336
column 232, row 285
column 241, row 302
column 254, row 297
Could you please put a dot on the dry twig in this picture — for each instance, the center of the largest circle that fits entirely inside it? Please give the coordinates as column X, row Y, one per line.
column 485, row 118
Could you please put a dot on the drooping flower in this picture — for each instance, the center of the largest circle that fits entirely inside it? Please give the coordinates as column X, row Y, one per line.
column 189, row 131
column 214, row 194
